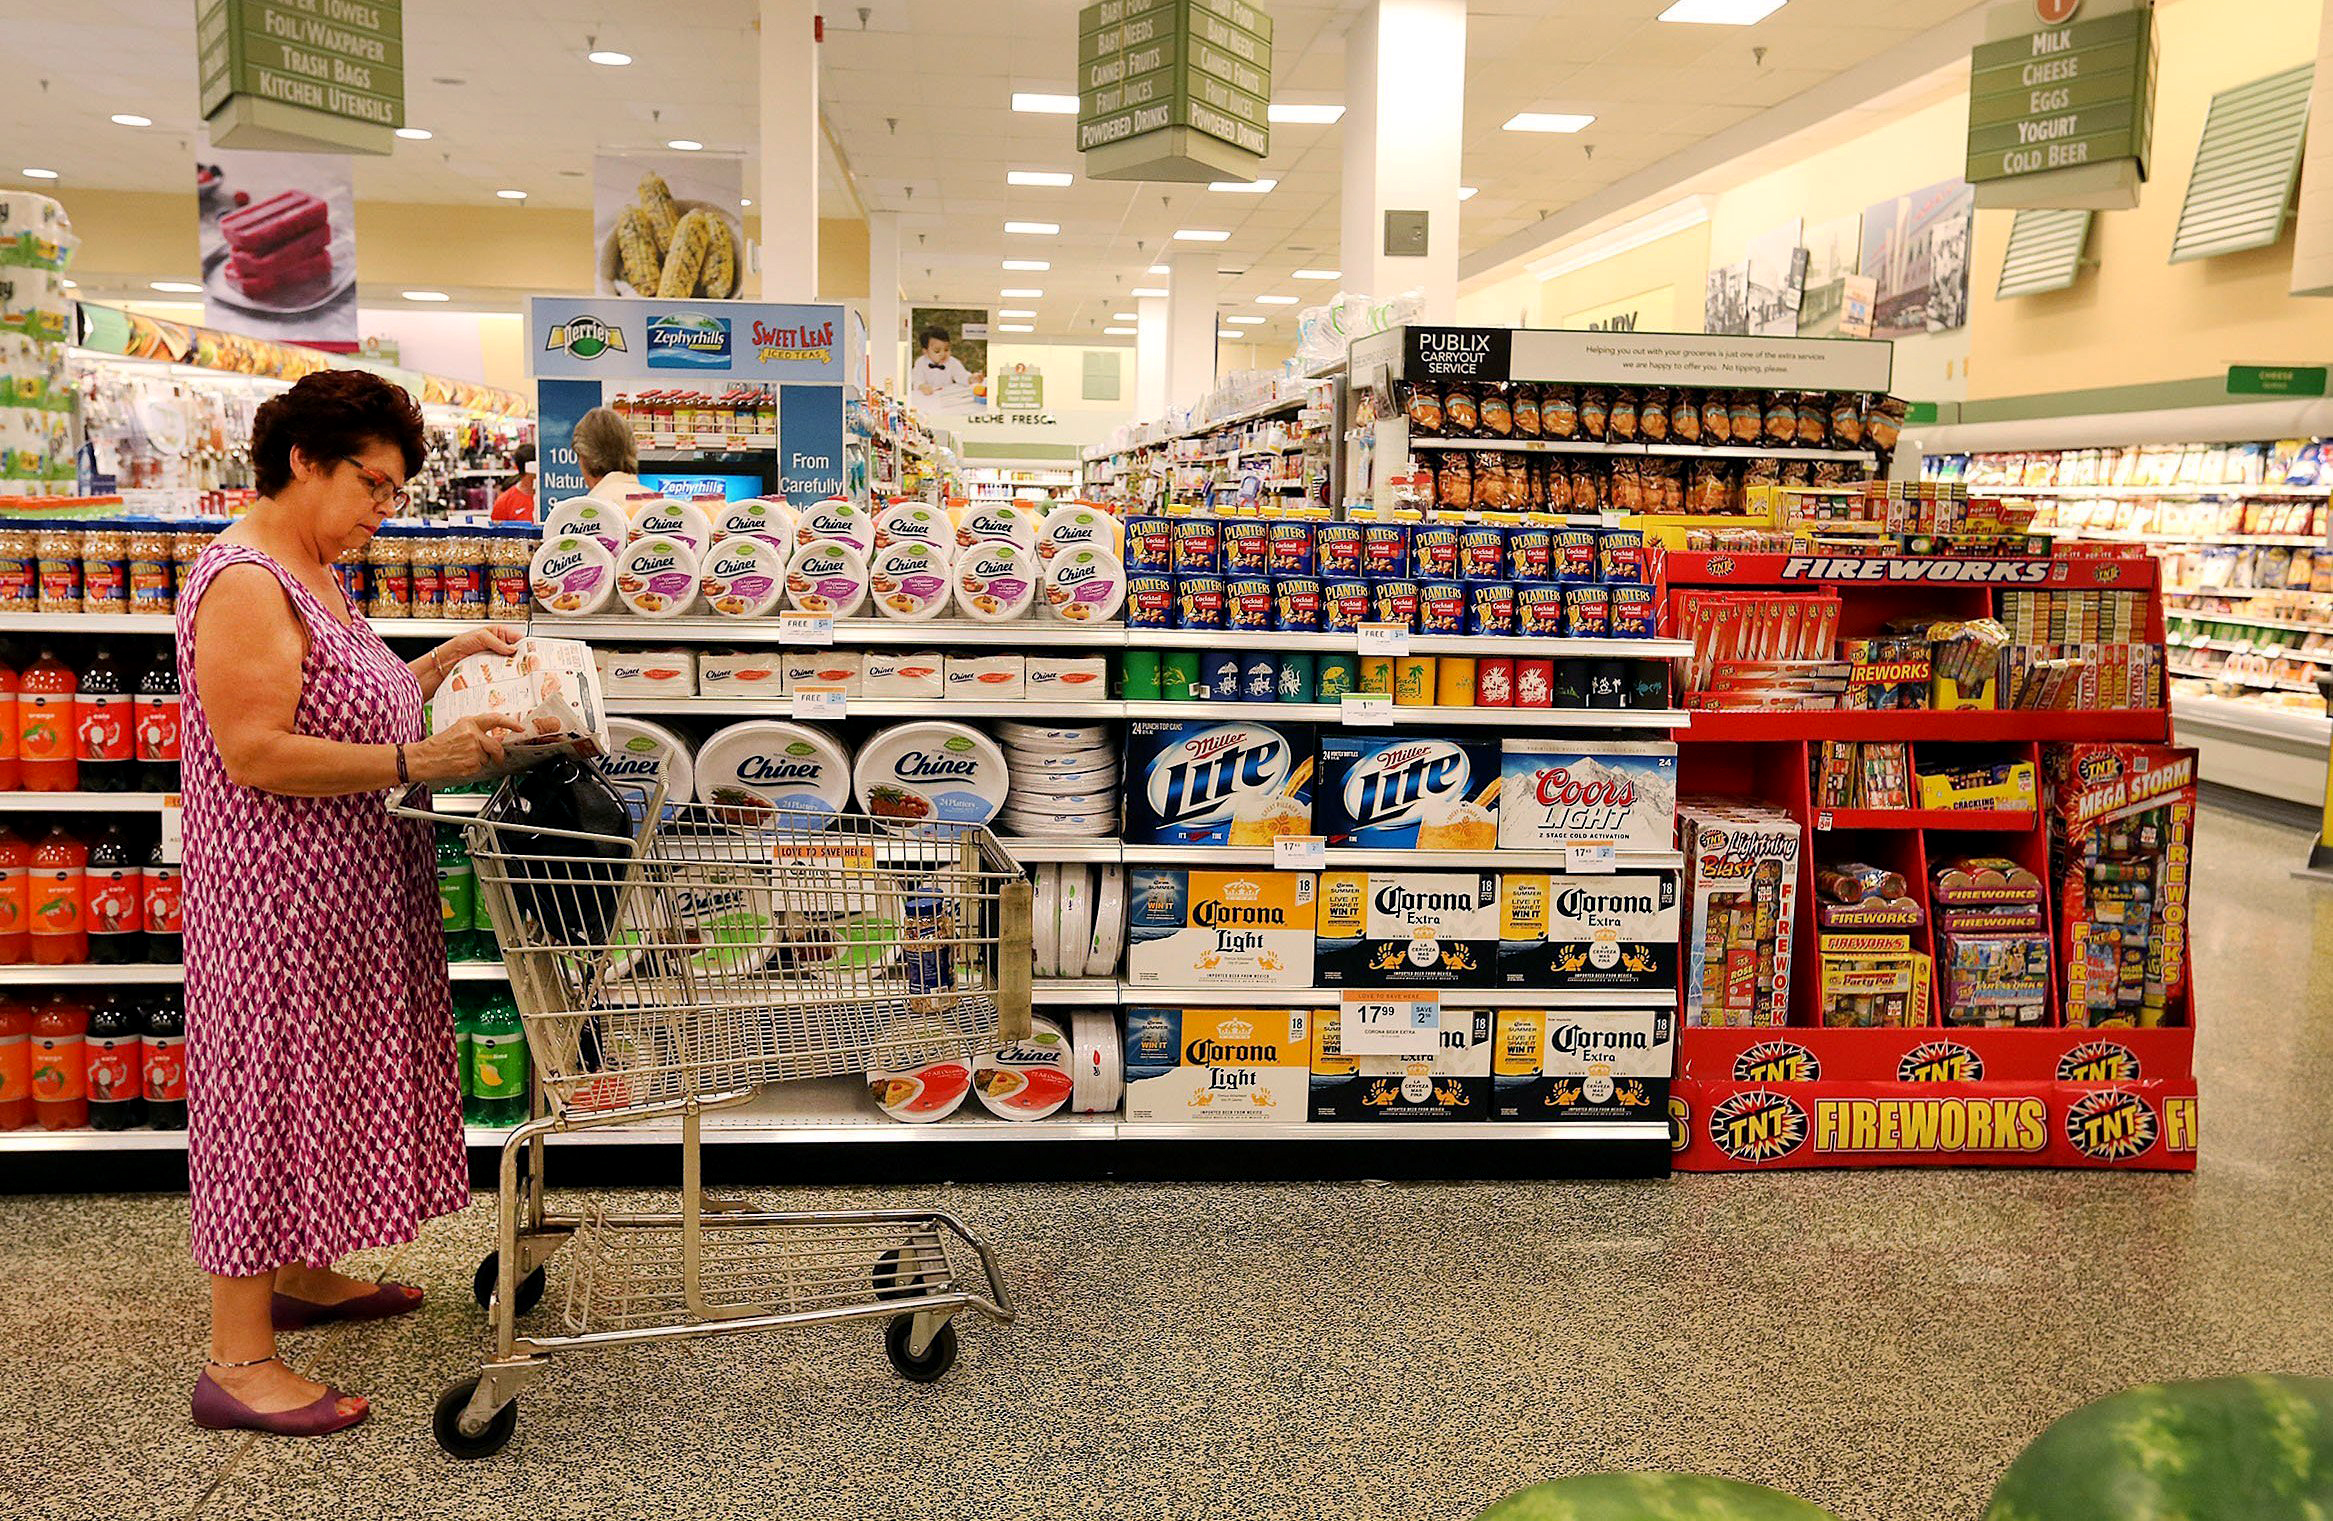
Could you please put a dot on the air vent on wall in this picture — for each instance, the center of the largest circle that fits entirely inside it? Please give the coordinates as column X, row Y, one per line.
column 2045, row 252
column 2245, row 167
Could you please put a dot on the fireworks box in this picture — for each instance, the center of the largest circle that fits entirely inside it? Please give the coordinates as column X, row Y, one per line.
column 1214, row 929
column 1741, row 893
column 1586, row 1064
column 1617, row 931
column 1195, row 1066
column 1198, row 783
column 1423, row 792
column 1554, row 793
column 1407, row 929
column 2122, row 830
column 1452, row 1084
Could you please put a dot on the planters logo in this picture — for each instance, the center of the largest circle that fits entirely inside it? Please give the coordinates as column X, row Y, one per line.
column 584, row 338
column 2113, row 1126
column 688, row 341
column 2099, row 1061
column 1940, row 1061
column 1778, row 1061
column 1758, row 1126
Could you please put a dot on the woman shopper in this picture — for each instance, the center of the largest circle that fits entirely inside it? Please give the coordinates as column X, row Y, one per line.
column 324, row 1115
column 610, row 459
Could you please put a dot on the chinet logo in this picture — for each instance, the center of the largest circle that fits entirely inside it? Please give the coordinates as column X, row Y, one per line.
column 918, row 765
column 773, row 768
column 1393, row 786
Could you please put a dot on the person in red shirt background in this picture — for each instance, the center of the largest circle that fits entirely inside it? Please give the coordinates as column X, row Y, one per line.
column 517, row 505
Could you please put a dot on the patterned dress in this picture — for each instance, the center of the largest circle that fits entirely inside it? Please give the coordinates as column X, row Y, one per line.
column 324, row 1114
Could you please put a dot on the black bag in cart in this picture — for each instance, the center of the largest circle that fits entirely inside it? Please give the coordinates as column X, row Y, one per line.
column 557, row 881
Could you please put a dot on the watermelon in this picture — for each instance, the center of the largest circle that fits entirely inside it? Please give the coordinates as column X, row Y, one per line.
column 2259, row 1448
column 1652, row 1497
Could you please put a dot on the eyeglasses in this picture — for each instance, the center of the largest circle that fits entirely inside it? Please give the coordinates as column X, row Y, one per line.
column 387, row 494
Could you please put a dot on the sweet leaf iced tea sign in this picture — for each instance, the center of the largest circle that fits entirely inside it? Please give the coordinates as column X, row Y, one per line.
column 325, row 76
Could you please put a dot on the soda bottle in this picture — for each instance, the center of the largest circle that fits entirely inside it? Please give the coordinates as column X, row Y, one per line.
column 15, row 898
column 58, row 932
column 60, row 1072
column 11, row 776
column 165, row 1048
column 112, row 890
column 102, row 714
column 457, row 892
column 157, row 710
column 159, row 907
column 44, row 726
column 498, row 1062
column 15, row 1064
column 465, row 1023
column 115, row 1051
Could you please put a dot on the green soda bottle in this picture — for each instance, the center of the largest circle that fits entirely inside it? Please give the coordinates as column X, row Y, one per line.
column 457, row 893
column 498, row 1062
column 465, row 1024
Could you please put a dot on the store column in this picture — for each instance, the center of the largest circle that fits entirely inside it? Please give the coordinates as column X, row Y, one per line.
column 1193, row 287
column 883, row 334
column 1150, row 357
column 788, row 197
column 1405, row 94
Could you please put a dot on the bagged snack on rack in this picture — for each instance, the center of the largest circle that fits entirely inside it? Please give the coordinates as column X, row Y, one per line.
column 1559, row 412
column 1627, row 487
column 1665, row 485
column 1620, row 422
column 1813, row 417
column 1883, row 423
column 1461, row 418
column 1556, row 495
column 1685, row 418
column 1847, row 420
column 1716, row 418
column 1519, row 479
column 1490, row 480
column 1836, row 472
column 1652, row 415
column 1454, row 481
column 1495, row 412
column 1779, row 420
column 1525, row 405
column 1747, row 416
column 1712, row 488
column 1595, row 412
column 1798, row 472
column 1425, row 409
column 1587, row 486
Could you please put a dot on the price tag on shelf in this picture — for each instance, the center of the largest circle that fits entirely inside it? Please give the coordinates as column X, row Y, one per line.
column 805, row 628
column 1300, row 852
column 1383, row 639
column 1610, row 517
column 1598, row 857
column 172, row 827
column 1365, row 708
column 1390, row 1024
column 820, row 702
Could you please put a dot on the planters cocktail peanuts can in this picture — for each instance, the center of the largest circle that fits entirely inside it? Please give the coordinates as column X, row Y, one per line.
column 1344, row 604
column 1393, row 600
column 1433, row 552
column 1288, row 543
column 1336, row 549
column 1620, row 557
column 1633, row 613
column 1296, row 604
column 1490, row 608
column 1150, row 544
column 1442, row 607
column 1198, row 601
column 1385, row 549
column 1539, row 609
column 1482, row 553
column 1587, row 612
column 1198, row 549
column 1574, row 555
column 1247, row 601
column 1150, row 600
column 1243, row 547
column 1530, row 554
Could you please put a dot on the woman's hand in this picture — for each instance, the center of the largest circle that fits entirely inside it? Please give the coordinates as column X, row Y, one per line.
column 468, row 749
column 485, row 639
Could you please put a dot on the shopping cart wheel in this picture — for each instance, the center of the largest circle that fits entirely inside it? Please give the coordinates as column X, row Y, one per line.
column 530, row 1288
column 446, row 1424
column 892, row 1280
column 936, row 1360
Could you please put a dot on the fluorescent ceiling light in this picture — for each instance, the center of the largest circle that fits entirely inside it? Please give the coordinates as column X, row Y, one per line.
column 1044, row 105
column 1014, row 311
column 685, row 145
column 1156, row 269
column 70, row 284
column 1034, row 266
column 1119, row 332
column 1035, row 229
column 1318, row 274
column 1275, row 300
column 1052, row 178
column 1545, row 121
column 1244, row 321
column 1022, row 293
column 1148, row 290
column 132, row 119
column 1468, row 192
column 427, row 295
column 512, row 195
column 40, row 174
column 1234, row 187
column 1202, row 235
column 412, row 134
column 1124, row 317
column 1229, row 332
column 1014, row 327
column 1317, row 116
column 175, row 287
column 1649, row 228
column 609, row 59
column 1721, row 12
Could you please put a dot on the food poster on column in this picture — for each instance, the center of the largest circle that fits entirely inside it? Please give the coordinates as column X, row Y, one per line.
column 278, row 239
column 668, row 225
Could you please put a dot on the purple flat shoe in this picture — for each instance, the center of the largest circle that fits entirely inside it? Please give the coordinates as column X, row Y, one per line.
column 385, row 1300
column 217, row 1410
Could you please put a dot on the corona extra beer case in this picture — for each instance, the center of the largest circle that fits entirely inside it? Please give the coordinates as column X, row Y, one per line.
column 1407, row 929
column 1589, row 1064
column 1454, row 1083
column 1207, row 1066
column 1595, row 931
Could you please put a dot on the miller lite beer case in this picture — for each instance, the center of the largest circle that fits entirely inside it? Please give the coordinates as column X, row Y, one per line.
column 1591, row 1064
column 1407, row 929
column 1454, row 1083
column 1424, row 792
column 1199, row 783
column 1555, row 792
column 1590, row 931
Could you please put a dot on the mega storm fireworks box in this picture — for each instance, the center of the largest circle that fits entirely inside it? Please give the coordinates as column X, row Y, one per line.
column 1195, row 1066
column 1407, row 929
column 2121, row 845
column 1454, row 1083
column 1218, row 929
column 1196, row 783
column 1554, row 793
column 1423, row 792
column 1594, row 931
column 1587, row 1064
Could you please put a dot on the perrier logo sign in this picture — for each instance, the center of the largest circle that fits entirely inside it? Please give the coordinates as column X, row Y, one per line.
column 584, row 338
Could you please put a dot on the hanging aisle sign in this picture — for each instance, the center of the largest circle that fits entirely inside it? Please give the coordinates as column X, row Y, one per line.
column 301, row 75
column 1173, row 89
column 2064, row 116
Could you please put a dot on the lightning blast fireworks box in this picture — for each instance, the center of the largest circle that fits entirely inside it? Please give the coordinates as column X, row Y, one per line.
column 1741, row 892
column 1454, row 1083
column 1407, row 929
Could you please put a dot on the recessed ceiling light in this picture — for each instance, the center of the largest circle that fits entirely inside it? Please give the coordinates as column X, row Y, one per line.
column 1156, row 269
column 1275, row 300
column 745, row 201
column 1149, row 290
column 1545, row 121
column 1022, row 293
column 1468, row 192
column 512, row 195
column 1033, row 266
column 1035, row 229
column 1045, row 105
column 607, row 58
column 1125, row 317
column 1014, row 327
column 132, row 119
column 1051, row 178
column 175, row 287
column 685, row 145
column 1244, row 321
column 1229, row 332
column 427, row 295
column 415, row 134
column 1235, row 187
column 1721, row 12
column 1202, row 235
column 69, row 284
column 1318, row 274
column 1119, row 332
column 1014, row 311
column 1317, row 116
column 40, row 174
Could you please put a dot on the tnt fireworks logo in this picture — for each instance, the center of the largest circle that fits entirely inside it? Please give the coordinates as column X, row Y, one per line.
column 1758, row 1126
column 584, row 338
column 2111, row 1126
column 1940, row 1061
column 1680, row 1124
column 1778, row 1061
column 2099, row 1061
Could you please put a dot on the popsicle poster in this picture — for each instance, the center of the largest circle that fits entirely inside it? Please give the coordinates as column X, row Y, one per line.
column 278, row 242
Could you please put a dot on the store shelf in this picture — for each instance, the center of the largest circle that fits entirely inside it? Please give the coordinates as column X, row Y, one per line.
column 1028, row 849
column 139, row 974
column 1052, row 992
column 2179, row 615
column 848, row 632
column 2241, row 591
column 2317, row 492
column 871, row 707
column 1276, row 997
column 694, row 441
column 1349, row 858
column 1479, row 646
column 2237, row 679
column 2240, row 716
column 1662, row 719
column 2118, row 536
column 165, row 624
column 2248, row 647
column 1586, row 1132
column 1925, row 818
column 82, row 802
column 1928, row 723
column 1641, row 449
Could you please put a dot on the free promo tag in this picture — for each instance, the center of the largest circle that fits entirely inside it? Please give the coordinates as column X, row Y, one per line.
column 1390, row 1024
column 805, row 628
column 1383, row 638
column 820, row 702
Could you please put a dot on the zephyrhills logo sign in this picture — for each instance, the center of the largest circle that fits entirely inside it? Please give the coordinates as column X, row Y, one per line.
column 1911, row 568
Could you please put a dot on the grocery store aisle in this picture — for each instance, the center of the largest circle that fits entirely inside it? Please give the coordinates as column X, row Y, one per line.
column 1882, row 1343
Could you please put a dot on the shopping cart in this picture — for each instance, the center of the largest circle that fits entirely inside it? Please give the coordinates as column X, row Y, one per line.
column 676, row 968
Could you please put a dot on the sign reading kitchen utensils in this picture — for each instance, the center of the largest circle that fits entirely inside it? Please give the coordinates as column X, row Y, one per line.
column 1173, row 89
column 286, row 75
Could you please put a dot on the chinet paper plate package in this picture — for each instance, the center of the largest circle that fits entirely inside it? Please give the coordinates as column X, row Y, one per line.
column 549, row 688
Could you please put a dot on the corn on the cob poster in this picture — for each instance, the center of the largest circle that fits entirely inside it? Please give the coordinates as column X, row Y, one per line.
column 669, row 225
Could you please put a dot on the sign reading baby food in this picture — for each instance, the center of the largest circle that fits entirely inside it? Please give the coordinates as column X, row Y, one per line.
column 301, row 75
column 1173, row 89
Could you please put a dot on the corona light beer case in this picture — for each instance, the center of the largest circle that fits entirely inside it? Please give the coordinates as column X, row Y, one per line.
column 1407, row 929
column 1219, row 929
column 1208, row 1066
column 1454, row 1083
column 1593, row 931
column 1565, row 1065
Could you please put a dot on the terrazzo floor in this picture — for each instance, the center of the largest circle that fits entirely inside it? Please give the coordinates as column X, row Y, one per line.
column 1881, row 1343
